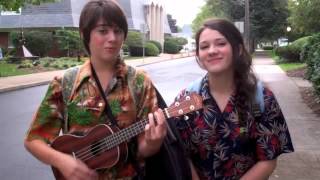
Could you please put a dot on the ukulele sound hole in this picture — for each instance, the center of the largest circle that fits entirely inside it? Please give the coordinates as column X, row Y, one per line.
column 97, row 148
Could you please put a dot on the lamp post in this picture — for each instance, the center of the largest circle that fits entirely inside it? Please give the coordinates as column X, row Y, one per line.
column 288, row 31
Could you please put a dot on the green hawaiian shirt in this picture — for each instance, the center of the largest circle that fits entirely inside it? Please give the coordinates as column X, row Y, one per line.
column 86, row 109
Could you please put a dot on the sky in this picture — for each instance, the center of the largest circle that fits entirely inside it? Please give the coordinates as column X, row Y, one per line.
column 184, row 11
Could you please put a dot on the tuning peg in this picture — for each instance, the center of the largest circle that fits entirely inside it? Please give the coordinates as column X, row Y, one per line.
column 185, row 117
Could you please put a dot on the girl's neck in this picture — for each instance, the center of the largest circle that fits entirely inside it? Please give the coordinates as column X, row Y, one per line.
column 222, row 84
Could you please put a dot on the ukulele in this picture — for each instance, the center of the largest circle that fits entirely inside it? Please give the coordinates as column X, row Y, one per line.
column 104, row 146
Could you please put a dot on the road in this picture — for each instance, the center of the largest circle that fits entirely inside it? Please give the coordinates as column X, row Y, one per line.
column 17, row 108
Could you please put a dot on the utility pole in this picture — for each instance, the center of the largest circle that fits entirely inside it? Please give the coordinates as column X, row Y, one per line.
column 247, row 25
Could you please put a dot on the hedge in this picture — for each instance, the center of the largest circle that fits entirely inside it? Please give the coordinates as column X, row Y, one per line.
column 311, row 55
column 151, row 49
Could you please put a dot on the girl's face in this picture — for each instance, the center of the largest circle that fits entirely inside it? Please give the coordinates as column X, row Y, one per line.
column 215, row 52
column 105, row 41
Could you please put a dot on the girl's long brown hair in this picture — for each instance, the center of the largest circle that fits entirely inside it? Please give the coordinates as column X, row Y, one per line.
column 244, row 78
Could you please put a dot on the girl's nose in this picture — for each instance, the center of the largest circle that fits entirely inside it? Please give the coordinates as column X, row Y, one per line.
column 212, row 50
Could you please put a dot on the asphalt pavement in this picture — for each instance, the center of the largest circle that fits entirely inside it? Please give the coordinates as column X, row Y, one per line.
column 304, row 125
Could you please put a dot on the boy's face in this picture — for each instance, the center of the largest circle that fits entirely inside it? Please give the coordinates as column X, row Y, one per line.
column 105, row 41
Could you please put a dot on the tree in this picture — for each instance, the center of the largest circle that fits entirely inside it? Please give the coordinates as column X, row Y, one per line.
column 69, row 41
column 268, row 19
column 228, row 9
column 304, row 16
column 14, row 5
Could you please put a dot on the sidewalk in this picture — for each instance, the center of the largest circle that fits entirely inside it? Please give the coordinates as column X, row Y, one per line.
column 36, row 79
column 304, row 125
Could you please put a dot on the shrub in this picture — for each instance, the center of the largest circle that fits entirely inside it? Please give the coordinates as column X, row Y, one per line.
column 151, row 49
column 25, row 64
column 157, row 44
column 125, row 48
column 292, row 52
column 135, row 50
column 267, row 47
column 39, row 43
column 311, row 55
column 171, row 47
column 69, row 42
column 288, row 53
column 134, row 39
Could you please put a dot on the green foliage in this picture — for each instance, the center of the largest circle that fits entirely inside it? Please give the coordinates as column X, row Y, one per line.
column 69, row 41
column 291, row 66
column 134, row 39
column 151, row 49
column 311, row 55
column 268, row 19
column 288, row 53
column 14, row 5
column 157, row 44
column 125, row 48
column 304, row 16
column 39, row 43
column 25, row 64
column 204, row 14
column 136, row 50
column 171, row 47
column 292, row 52
column 267, row 47
column 9, row 69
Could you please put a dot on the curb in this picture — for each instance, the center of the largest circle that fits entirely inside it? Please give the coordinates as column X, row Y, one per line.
column 45, row 82
column 24, row 86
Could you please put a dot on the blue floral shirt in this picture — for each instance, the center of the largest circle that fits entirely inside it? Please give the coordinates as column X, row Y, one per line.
column 213, row 138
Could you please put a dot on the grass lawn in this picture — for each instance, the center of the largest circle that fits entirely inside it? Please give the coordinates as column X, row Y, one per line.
column 10, row 70
column 132, row 57
column 291, row 66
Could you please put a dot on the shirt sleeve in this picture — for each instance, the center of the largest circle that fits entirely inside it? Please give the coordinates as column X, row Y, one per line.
column 272, row 134
column 147, row 94
column 48, row 119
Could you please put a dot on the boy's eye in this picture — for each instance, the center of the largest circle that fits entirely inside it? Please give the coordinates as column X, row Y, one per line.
column 118, row 31
column 103, row 31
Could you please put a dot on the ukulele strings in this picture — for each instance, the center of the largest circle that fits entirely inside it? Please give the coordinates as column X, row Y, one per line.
column 109, row 142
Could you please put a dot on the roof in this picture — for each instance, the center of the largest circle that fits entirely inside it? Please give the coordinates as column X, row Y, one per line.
column 66, row 13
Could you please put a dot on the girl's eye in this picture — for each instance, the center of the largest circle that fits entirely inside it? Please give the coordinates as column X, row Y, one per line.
column 221, row 43
column 203, row 47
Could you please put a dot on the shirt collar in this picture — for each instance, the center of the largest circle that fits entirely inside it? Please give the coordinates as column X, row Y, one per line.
column 85, row 73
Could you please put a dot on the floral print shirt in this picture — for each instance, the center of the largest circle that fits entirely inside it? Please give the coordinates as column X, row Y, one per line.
column 214, row 142
column 86, row 110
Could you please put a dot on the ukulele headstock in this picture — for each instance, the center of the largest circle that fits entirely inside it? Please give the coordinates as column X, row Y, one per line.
column 186, row 104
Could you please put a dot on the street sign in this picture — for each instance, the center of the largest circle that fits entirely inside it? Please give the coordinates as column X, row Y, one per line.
column 240, row 26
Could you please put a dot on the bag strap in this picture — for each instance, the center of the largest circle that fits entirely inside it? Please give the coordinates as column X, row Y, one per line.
column 195, row 86
column 67, row 82
column 107, row 108
column 258, row 106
